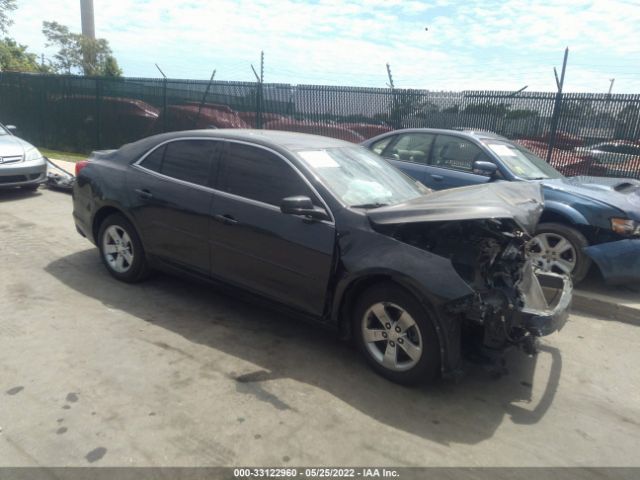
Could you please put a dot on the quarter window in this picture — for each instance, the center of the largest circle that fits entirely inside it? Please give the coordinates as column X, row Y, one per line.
column 456, row 153
column 380, row 145
column 153, row 161
column 257, row 174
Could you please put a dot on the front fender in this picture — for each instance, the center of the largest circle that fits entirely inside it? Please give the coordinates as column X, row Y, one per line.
column 566, row 211
column 429, row 277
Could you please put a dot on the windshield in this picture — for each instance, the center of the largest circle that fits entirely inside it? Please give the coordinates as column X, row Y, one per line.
column 522, row 162
column 360, row 178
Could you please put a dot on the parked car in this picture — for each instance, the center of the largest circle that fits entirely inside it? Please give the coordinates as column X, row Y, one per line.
column 307, row 126
column 567, row 162
column 618, row 151
column 74, row 121
column 619, row 158
column 21, row 164
column 299, row 219
column 585, row 218
column 564, row 140
column 191, row 115
column 367, row 130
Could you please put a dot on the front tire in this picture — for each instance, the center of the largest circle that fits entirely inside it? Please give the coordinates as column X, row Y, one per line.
column 396, row 335
column 558, row 248
column 121, row 250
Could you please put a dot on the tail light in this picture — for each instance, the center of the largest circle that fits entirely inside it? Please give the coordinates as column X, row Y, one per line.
column 80, row 165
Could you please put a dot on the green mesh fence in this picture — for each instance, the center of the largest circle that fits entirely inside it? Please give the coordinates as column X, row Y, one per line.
column 597, row 134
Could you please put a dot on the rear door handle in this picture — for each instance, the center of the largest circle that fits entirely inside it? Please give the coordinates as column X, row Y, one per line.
column 225, row 219
column 437, row 178
column 144, row 193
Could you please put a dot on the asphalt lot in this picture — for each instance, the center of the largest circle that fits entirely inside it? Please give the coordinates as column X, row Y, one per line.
column 173, row 373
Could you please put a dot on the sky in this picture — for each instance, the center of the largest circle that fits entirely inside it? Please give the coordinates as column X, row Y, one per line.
column 435, row 45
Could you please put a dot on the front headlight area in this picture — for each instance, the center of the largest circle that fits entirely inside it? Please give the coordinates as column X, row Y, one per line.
column 32, row 155
column 625, row 226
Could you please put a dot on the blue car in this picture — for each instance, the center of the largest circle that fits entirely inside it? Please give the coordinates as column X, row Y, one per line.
column 585, row 220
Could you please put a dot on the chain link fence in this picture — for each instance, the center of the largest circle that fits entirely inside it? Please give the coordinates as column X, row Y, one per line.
column 596, row 134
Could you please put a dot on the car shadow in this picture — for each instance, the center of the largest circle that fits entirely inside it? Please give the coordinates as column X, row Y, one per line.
column 14, row 194
column 465, row 411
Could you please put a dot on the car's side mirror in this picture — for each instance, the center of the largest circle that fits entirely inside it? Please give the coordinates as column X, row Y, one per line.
column 12, row 128
column 302, row 206
column 482, row 167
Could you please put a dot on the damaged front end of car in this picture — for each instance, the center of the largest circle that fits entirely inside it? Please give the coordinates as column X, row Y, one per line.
column 512, row 303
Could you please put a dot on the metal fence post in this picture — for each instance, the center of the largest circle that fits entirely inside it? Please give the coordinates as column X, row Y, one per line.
column 98, row 122
column 259, row 106
column 557, row 107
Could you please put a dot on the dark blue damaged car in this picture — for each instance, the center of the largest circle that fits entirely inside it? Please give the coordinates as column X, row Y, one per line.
column 585, row 220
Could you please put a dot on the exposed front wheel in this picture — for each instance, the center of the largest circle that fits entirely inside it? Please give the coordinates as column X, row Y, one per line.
column 121, row 250
column 396, row 335
column 558, row 248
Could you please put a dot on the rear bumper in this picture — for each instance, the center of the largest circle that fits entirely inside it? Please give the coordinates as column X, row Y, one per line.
column 547, row 300
column 22, row 174
column 619, row 262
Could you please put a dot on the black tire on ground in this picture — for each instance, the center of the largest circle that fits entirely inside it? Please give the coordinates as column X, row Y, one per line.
column 138, row 269
column 577, row 240
column 427, row 368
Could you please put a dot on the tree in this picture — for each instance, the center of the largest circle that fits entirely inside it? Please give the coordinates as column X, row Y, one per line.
column 15, row 58
column 111, row 67
column 78, row 53
column 6, row 7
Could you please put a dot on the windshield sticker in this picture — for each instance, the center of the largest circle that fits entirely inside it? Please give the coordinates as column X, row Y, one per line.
column 319, row 159
column 503, row 150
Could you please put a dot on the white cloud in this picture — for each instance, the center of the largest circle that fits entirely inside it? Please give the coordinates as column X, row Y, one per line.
column 469, row 45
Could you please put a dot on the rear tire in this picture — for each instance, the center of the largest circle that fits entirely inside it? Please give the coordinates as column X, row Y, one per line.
column 556, row 258
column 121, row 250
column 396, row 335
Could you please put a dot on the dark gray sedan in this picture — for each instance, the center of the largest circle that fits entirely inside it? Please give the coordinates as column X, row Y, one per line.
column 332, row 232
column 21, row 164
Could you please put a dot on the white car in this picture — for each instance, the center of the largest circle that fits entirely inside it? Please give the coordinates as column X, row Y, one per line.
column 611, row 152
column 21, row 164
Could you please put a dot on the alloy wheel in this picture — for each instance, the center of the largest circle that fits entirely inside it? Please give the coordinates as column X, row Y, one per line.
column 392, row 337
column 117, row 249
column 553, row 253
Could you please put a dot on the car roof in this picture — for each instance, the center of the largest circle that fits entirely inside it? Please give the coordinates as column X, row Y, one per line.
column 469, row 133
column 269, row 138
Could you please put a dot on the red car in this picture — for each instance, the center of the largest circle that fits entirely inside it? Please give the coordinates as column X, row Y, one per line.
column 186, row 117
column 327, row 130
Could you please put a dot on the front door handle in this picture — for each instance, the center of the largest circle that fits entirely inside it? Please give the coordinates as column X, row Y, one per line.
column 437, row 178
column 225, row 219
column 144, row 193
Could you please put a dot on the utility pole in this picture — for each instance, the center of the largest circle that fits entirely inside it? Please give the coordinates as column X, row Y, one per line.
column 89, row 31
column 88, row 22
column 557, row 106
column 611, row 85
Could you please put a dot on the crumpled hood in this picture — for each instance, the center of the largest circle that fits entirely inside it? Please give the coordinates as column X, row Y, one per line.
column 517, row 200
column 11, row 146
column 621, row 193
